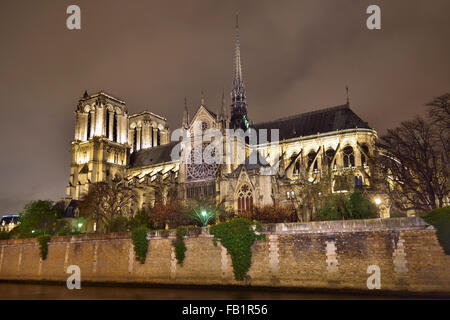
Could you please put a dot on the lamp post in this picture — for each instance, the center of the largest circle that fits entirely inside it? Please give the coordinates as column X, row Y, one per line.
column 204, row 216
column 378, row 202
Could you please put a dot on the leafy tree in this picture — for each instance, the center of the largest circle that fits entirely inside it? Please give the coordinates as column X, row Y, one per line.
column 38, row 218
column 170, row 213
column 104, row 203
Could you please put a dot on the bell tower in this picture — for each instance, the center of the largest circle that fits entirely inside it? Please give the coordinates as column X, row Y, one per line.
column 100, row 150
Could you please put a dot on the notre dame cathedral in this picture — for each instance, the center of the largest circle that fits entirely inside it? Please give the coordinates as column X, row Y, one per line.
column 111, row 143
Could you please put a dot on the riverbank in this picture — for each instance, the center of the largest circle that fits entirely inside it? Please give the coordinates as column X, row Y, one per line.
column 319, row 256
column 24, row 290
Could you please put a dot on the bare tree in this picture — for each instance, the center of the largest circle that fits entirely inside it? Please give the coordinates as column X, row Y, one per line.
column 414, row 158
column 439, row 113
column 104, row 202
column 312, row 190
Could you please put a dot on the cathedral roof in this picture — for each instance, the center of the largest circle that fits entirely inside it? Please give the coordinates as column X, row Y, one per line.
column 151, row 156
column 319, row 121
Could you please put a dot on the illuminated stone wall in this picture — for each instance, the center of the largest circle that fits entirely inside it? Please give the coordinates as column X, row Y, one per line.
column 314, row 255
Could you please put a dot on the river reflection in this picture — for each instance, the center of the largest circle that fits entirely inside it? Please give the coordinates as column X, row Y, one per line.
column 42, row 292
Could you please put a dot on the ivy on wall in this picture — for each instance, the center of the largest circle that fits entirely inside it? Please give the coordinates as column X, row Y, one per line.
column 440, row 219
column 180, row 246
column 140, row 243
column 43, row 245
column 238, row 236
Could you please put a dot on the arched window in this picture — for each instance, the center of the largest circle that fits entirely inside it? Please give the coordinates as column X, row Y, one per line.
column 358, row 181
column 135, row 139
column 115, row 128
column 245, row 199
column 329, row 155
column 89, row 126
column 297, row 168
column 296, row 164
column 107, row 123
column 365, row 150
column 349, row 158
column 311, row 156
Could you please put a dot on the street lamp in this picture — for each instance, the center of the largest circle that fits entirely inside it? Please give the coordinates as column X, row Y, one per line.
column 378, row 202
column 203, row 216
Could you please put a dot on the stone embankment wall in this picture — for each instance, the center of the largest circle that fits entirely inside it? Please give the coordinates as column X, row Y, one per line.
column 316, row 255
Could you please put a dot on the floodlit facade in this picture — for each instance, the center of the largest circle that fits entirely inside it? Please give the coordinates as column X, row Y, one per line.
column 110, row 143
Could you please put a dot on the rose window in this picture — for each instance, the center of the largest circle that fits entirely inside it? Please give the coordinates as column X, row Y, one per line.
column 198, row 169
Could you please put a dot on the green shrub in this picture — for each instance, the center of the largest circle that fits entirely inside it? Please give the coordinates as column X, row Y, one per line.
column 140, row 243
column 141, row 218
column 440, row 219
column 4, row 235
column 180, row 247
column 237, row 236
column 339, row 207
column 270, row 214
column 43, row 245
column 118, row 224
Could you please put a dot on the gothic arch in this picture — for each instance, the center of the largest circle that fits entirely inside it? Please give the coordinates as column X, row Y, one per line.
column 245, row 198
column 365, row 151
column 330, row 154
column 312, row 160
column 348, row 156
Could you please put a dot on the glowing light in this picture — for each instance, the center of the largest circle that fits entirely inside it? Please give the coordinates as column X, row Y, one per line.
column 80, row 225
column 203, row 216
column 377, row 201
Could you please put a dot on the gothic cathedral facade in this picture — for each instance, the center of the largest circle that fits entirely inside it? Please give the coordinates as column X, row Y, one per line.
column 112, row 144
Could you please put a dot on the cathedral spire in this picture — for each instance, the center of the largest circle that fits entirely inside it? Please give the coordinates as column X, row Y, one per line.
column 223, row 114
column 202, row 99
column 237, row 57
column 238, row 95
column 185, row 114
column 223, row 111
column 348, row 98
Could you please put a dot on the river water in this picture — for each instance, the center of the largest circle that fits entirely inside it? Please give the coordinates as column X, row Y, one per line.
column 54, row 291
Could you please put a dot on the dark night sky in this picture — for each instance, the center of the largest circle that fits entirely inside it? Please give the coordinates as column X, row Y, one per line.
column 297, row 56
